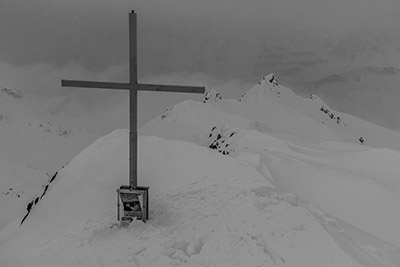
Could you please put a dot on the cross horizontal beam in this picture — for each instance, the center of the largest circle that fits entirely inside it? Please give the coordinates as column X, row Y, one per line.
column 171, row 88
column 127, row 86
column 100, row 85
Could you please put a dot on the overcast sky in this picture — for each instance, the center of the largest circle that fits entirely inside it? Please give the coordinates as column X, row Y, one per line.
column 223, row 44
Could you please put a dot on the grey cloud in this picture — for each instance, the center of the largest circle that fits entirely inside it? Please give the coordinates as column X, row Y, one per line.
column 196, row 35
column 59, row 32
column 227, row 40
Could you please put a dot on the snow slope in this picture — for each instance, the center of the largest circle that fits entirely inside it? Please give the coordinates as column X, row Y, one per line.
column 206, row 209
column 19, row 184
column 237, row 187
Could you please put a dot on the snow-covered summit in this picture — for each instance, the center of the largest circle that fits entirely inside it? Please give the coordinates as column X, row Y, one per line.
column 268, row 83
column 272, row 108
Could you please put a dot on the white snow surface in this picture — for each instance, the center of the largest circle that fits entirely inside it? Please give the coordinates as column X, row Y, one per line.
column 256, row 182
column 19, row 184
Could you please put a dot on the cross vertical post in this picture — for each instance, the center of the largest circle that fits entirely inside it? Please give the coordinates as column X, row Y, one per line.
column 133, row 100
column 135, row 199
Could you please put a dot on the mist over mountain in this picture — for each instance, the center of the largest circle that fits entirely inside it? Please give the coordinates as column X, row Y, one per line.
column 30, row 133
column 33, row 146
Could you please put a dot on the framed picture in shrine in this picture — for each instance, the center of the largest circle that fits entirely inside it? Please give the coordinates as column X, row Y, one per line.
column 132, row 203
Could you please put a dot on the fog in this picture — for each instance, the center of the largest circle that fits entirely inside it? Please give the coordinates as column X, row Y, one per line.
column 224, row 45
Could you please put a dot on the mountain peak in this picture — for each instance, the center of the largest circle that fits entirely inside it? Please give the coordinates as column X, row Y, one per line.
column 269, row 80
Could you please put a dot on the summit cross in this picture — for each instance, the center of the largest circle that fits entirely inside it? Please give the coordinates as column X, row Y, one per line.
column 133, row 87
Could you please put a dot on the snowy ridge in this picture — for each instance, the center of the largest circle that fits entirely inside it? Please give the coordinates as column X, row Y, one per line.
column 191, row 121
column 36, row 200
column 272, row 108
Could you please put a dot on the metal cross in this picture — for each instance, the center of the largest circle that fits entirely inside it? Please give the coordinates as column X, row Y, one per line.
column 133, row 86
